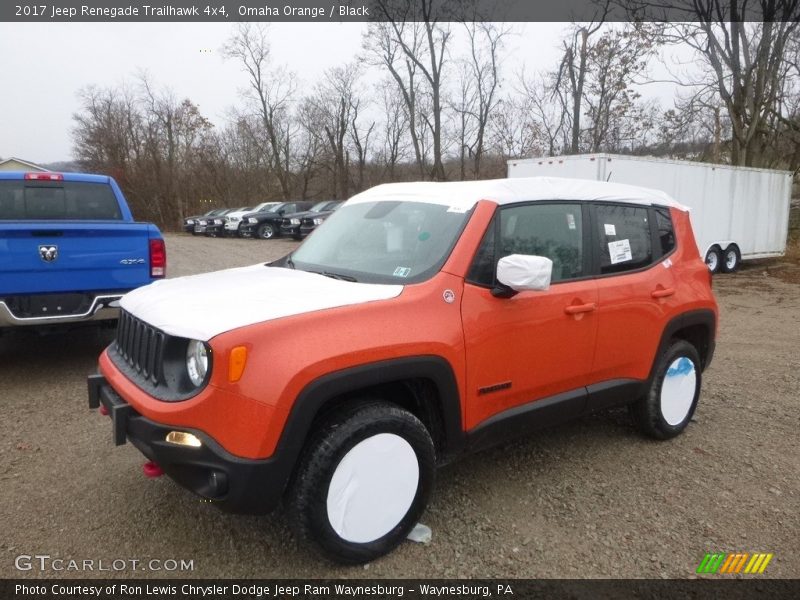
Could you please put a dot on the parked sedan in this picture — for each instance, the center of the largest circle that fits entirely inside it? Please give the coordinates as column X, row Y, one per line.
column 202, row 224
column 190, row 222
column 290, row 226
column 311, row 221
column 266, row 223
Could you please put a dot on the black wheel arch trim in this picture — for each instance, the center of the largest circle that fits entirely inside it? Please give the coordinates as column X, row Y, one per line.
column 317, row 393
column 704, row 317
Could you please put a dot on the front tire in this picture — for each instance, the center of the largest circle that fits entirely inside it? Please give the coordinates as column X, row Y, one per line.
column 667, row 407
column 363, row 482
column 266, row 231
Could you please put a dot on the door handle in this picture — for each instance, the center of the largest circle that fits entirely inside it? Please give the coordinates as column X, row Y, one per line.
column 662, row 292
column 574, row 309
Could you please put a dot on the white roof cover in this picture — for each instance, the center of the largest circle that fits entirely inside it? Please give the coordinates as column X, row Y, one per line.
column 465, row 194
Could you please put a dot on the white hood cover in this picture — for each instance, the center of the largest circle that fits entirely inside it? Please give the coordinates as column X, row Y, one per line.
column 203, row 306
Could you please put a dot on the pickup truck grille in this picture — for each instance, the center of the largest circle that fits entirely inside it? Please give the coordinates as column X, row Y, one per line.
column 141, row 346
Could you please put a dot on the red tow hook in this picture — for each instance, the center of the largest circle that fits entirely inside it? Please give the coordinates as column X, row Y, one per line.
column 103, row 410
column 152, row 470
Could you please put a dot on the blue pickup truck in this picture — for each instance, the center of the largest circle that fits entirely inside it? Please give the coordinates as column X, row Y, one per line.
column 70, row 249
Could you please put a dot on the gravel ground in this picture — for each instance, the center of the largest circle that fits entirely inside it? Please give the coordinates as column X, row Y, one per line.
column 587, row 499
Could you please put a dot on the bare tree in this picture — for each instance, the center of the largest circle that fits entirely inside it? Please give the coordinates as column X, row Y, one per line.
column 747, row 64
column 572, row 71
column 395, row 126
column 485, row 46
column 271, row 91
column 411, row 41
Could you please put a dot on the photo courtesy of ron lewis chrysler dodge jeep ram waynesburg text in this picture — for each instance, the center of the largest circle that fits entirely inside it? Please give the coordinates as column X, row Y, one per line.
column 419, row 322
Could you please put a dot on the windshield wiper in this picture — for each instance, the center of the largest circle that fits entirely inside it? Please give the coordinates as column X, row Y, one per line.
column 339, row 276
column 289, row 261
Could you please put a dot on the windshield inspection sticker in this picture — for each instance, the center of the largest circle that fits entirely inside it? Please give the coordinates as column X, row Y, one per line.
column 619, row 251
column 458, row 209
column 570, row 220
column 402, row 272
column 610, row 229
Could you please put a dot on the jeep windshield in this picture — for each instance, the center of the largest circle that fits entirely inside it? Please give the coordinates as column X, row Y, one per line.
column 382, row 242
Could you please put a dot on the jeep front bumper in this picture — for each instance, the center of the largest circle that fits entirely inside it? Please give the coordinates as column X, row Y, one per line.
column 235, row 484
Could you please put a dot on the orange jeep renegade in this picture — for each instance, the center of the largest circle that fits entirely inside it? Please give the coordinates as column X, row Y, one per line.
column 419, row 322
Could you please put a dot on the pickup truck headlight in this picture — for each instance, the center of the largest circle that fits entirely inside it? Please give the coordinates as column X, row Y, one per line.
column 196, row 362
column 318, row 221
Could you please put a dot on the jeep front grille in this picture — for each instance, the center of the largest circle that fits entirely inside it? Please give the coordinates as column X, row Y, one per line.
column 141, row 346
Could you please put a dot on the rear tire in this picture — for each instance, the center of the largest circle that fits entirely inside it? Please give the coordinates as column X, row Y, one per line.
column 731, row 259
column 667, row 407
column 714, row 259
column 363, row 482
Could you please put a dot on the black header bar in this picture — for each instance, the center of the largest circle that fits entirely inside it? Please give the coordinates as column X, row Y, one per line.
column 313, row 11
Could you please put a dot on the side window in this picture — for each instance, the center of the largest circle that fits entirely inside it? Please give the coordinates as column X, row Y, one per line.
column 551, row 230
column 624, row 234
column 666, row 235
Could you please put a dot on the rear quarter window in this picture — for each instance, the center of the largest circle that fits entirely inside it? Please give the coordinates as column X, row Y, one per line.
column 625, row 239
column 53, row 201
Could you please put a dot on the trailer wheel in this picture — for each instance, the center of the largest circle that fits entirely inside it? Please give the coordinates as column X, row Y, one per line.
column 731, row 259
column 714, row 259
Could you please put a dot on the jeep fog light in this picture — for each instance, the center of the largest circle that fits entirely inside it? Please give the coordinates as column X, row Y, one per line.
column 183, row 438
column 196, row 362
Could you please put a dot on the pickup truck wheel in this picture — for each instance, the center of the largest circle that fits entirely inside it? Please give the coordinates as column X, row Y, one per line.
column 667, row 407
column 363, row 481
column 714, row 259
column 266, row 231
column 731, row 259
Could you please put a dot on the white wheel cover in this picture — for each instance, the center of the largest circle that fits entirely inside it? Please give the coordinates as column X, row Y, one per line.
column 373, row 488
column 677, row 390
column 730, row 259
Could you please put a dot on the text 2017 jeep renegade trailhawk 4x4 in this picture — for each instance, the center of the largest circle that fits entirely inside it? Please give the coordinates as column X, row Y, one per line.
column 420, row 321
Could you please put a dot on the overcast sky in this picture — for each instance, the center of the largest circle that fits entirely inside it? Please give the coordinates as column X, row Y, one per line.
column 45, row 64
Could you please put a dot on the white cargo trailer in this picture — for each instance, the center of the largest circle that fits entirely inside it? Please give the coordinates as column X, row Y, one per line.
column 737, row 212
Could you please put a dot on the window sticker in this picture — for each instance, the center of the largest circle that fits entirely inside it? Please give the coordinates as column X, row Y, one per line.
column 619, row 251
column 403, row 271
column 610, row 229
column 570, row 220
column 458, row 209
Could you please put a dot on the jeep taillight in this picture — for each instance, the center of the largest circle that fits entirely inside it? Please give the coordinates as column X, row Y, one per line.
column 158, row 258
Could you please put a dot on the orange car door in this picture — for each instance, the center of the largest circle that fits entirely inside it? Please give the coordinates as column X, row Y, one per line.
column 536, row 344
column 636, row 288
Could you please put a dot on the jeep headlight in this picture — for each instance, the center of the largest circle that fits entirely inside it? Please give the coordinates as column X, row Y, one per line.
column 196, row 362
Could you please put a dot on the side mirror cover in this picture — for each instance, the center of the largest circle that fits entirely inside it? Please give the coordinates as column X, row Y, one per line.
column 521, row 272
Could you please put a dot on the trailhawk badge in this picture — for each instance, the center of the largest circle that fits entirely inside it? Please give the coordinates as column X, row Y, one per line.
column 48, row 253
